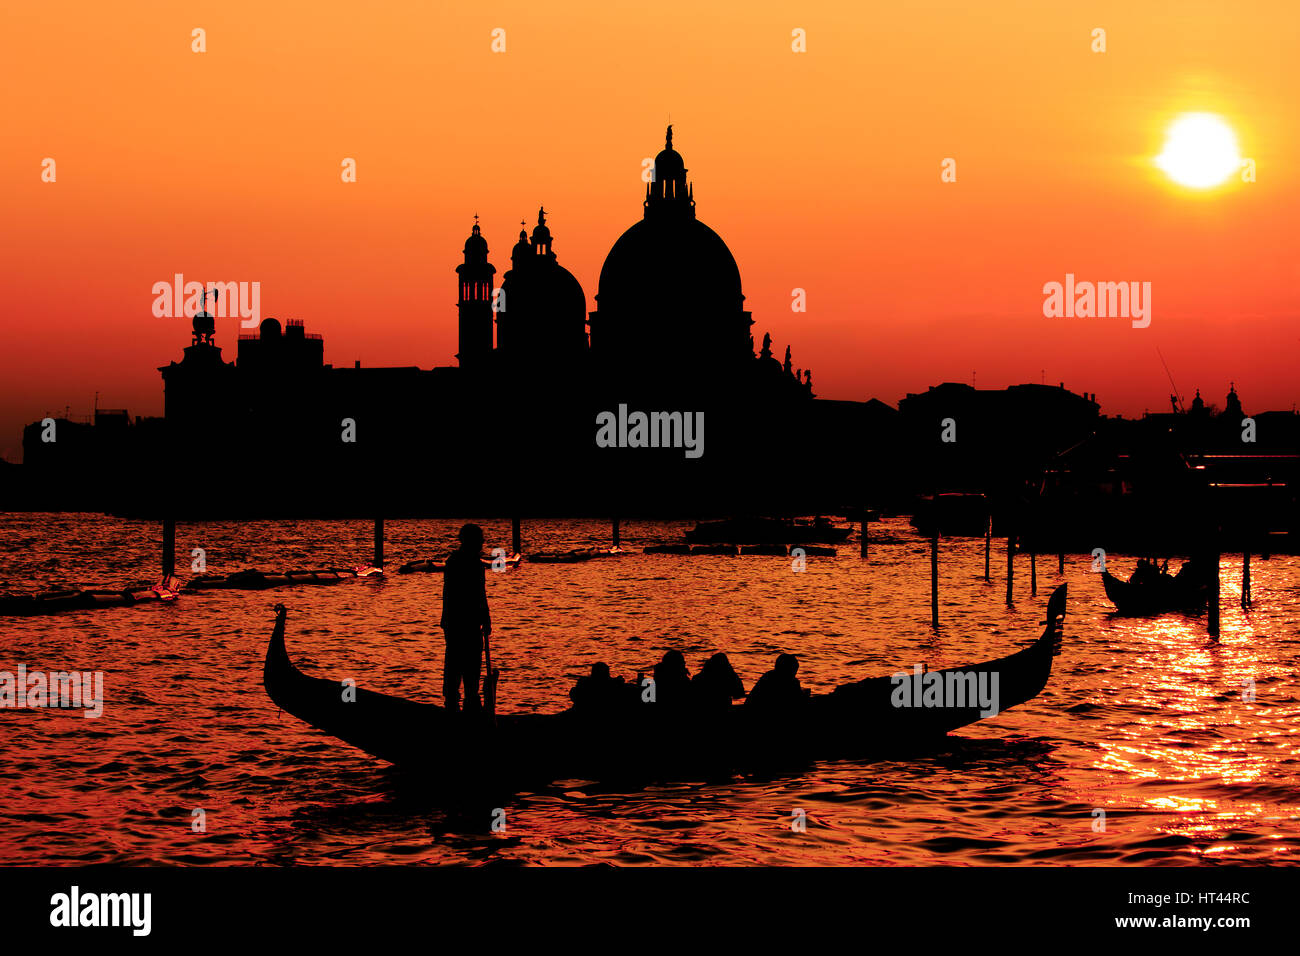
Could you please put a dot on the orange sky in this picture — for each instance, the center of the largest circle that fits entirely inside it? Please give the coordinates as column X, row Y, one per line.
column 820, row 170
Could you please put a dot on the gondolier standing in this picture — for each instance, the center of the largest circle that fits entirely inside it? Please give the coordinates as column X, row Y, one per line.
column 466, row 623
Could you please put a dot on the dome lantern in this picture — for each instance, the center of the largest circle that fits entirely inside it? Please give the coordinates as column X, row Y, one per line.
column 670, row 191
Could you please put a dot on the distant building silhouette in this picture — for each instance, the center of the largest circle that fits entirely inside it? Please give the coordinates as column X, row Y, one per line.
column 514, row 419
column 511, row 427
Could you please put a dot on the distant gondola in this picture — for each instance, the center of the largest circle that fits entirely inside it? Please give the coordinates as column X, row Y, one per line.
column 648, row 742
column 1186, row 591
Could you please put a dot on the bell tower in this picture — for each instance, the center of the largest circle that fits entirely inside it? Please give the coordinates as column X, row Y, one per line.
column 475, row 302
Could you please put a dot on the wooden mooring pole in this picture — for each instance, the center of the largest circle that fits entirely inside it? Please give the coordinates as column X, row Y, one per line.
column 1214, row 592
column 169, row 547
column 934, row 580
column 1245, row 579
column 1033, row 573
column 865, row 536
column 1011, row 566
column 988, row 545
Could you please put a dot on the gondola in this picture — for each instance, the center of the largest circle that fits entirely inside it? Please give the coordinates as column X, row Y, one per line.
column 649, row 742
column 1186, row 591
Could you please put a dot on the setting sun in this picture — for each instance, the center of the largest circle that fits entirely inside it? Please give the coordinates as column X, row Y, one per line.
column 1200, row 151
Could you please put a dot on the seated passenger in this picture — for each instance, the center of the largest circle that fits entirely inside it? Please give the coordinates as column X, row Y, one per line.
column 672, row 679
column 778, row 689
column 716, row 685
column 598, row 692
column 1142, row 573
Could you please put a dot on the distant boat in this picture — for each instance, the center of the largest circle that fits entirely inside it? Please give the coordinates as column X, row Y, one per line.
column 253, row 580
column 766, row 531
column 575, row 556
column 747, row 550
column 1186, row 591
column 52, row 602
column 427, row 566
column 642, row 743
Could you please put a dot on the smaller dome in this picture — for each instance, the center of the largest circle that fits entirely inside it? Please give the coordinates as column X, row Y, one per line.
column 269, row 329
column 522, row 250
column 475, row 245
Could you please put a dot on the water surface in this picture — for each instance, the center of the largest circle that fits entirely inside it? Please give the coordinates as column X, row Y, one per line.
column 1143, row 719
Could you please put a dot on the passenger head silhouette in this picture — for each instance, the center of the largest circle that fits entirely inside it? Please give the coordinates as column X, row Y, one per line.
column 718, row 670
column 672, row 666
column 787, row 665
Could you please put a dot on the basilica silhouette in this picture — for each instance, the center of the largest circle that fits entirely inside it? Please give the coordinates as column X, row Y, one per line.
column 669, row 302
column 512, row 424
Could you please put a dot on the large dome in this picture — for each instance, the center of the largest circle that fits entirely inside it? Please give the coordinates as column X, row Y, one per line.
column 667, row 264
column 671, row 279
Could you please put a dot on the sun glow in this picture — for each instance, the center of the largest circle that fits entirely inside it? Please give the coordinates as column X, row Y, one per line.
column 1200, row 151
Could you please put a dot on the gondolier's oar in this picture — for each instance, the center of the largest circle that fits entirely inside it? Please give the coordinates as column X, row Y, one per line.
column 489, row 679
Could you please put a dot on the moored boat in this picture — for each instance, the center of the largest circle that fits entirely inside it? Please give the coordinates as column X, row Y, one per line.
column 429, row 566
column 755, row 530
column 573, row 556
column 251, row 579
column 52, row 602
